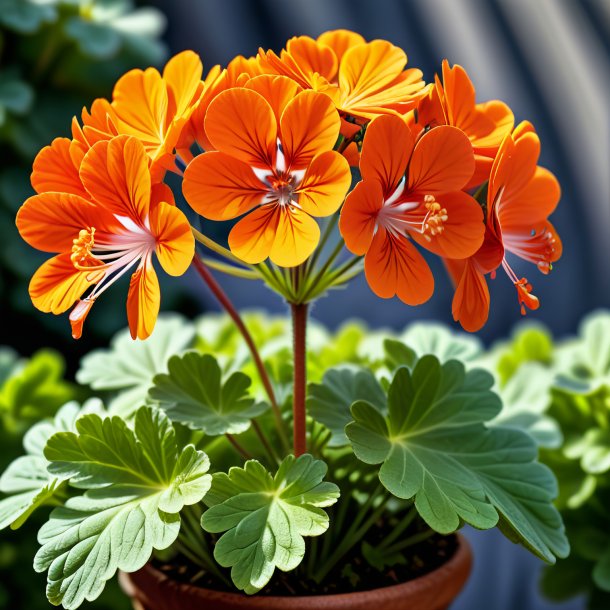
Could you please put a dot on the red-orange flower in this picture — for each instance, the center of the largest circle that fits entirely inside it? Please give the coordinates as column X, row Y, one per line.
column 110, row 223
column 410, row 191
column 364, row 79
column 520, row 197
column 452, row 102
column 273, row 161
column 150, row 106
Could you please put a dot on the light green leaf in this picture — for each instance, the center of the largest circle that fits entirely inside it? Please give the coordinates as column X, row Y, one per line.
column 95, row 40
column 601, row 571
column 525, row 398
column 265, row 517
column 435, row 339
column 27, row 479
column 435, row 448
column 193, row 393
column 592, row 449
column 398, row 354
column 25, row 17
column 329, row 402
column 16, row 96
column 138, row 481
column 584, row 364
column 130, row 366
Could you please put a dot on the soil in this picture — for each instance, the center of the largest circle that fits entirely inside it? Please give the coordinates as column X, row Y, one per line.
column 352, row 574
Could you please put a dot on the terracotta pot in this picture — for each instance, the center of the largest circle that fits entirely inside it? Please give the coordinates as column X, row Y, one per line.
column 151, row 589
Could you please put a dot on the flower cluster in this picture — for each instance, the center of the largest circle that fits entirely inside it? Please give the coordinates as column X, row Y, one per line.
column 269, row 141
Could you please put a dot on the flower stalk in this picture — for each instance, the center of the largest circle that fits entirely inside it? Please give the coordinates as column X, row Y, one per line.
column 299, row 325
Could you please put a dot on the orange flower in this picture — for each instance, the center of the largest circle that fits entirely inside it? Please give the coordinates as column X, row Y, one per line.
column 410, row 190
column 452, row 102
column 364, row 79
column 273, row 162
column 520, row 197
column 147, row 105
column 110, row 224
column 239, row 71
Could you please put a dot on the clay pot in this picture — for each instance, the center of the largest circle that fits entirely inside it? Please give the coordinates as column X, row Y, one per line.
column 151, row 589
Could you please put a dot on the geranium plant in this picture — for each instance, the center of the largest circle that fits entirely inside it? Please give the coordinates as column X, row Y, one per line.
column 226, row 466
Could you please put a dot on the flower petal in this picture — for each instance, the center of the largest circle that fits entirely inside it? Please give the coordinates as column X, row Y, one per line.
column 340, row 41
column 285, row 234
column 140, row 102
column 393, row 266
column 325, row 184
column 309, row 125
column 57, row 284
column 53, row 170
column 143, row 300
column 359, row 216
column 175, row 241
column 51, row 221
column 387, row 147
column 541, row 246
column 220, row 187
column 182, row 73
column 442, row 161
column 470, row 305
column 240, row 123
column 276, row 90
column 463, row 230
column 116, row 174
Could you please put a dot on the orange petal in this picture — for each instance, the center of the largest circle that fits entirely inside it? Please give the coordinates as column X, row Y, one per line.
column 78, row 315
column 161, row 192
column 533, row 204
column 116, row 174
column 513, row 167
column 51, row 221
column 175, row 241
column 310, row 124
column 276, row 90
column 141, row 103
column 482, row 169
column 240, row 123
column 182, row 73
column 325, row 184
column 340, row 41
column 308, row 58
column 393, row 266
column 494, row 120
column 143, row 301
column 442, row 161
column 57, row 284
column 463, row 230
column 53, row 170
column 285, row 234
column 470, row 305
column 352, row 155
column 359, row 216
column 459, row 95
column 220, row 187
column 386, row 150
column 541, row 246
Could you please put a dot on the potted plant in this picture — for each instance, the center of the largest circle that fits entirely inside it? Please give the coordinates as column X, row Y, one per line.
column 216, row 476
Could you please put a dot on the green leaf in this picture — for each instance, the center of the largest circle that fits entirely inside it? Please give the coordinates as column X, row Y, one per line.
column 329, row 402
column 529, row 344
column 137, row 482
column 584, row 364
column 95, row 40
column 27, row 479
column 435, row 339
column 193, row 393
column 398, row 354
column 16, row 96
column 525, row 397
column 434, row 447
column 130, row 366
column 592, row 449
column 35, row 390
column 601, row 571
column 265, row 517
column 25, row 17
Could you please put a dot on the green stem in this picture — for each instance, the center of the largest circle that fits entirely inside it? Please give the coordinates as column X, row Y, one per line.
column 311, row 285
column 224, row 300
column 299, row 324
column 270, row 452
column 215, row 247
column 399, row 529
column 245, row 274
column 410, row 541
column 332, row 223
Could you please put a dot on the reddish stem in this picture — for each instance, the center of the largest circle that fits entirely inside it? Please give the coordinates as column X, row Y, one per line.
column 224, row 300
column 299, row 324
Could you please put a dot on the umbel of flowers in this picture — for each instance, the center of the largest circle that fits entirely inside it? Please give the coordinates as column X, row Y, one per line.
column 330, row 159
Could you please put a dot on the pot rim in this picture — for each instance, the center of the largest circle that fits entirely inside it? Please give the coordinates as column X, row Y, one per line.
column 460, row 561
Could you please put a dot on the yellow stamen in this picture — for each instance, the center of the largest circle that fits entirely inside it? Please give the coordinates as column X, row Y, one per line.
column 435, row 218
column 82, row 246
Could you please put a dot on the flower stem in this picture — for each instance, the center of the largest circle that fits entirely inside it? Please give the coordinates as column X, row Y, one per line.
column 224, row 300
column 238, row 447
column 268, row 448
column 299, row 325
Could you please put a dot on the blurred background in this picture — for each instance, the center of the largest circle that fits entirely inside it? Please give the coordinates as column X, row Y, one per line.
column 548, row 59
